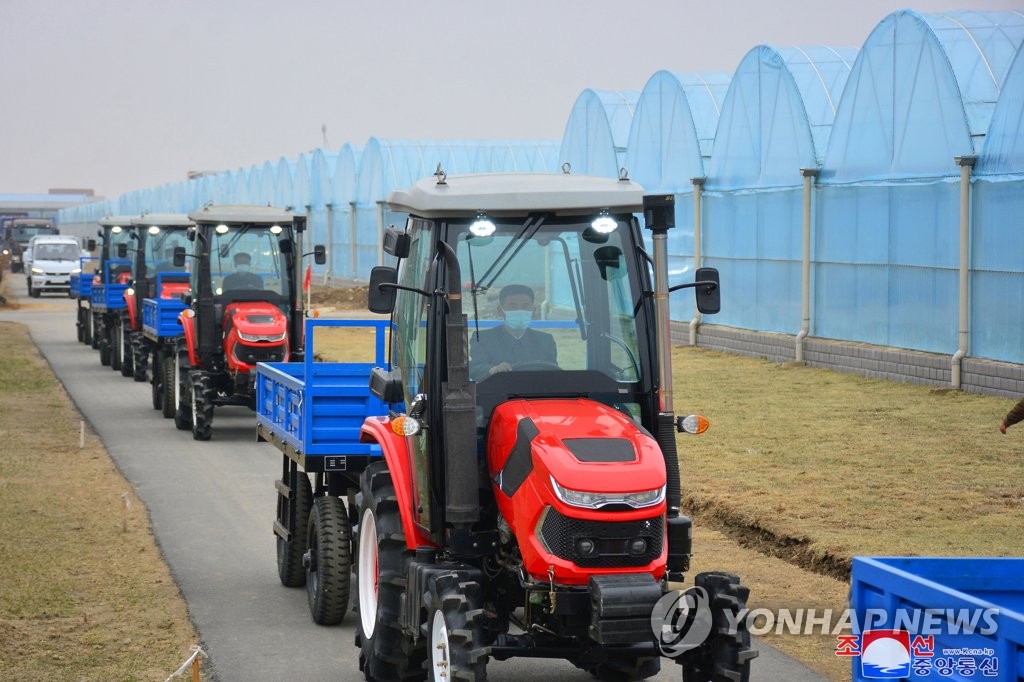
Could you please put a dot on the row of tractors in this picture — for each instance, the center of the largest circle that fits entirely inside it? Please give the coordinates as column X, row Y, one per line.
column 463, row 515
column 190, row 303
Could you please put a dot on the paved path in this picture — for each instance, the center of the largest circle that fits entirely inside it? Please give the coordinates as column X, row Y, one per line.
column 212, row 504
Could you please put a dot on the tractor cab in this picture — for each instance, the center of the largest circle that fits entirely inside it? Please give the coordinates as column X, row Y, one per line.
column 156, row 236
column 115, row 235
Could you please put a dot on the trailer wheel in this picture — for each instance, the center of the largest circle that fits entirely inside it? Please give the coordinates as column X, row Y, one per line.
column 726, row 655
column 116, row 346
column 140, row 357
column 201, row 402
column 32, row 291
column 454, row 630
column 386, row 652
column 182, row 394
column 156, row 381
column 328, row 560
column 80, row 324
column 293, row 515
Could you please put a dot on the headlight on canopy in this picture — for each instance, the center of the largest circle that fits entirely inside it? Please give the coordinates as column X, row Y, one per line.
column 590, row 500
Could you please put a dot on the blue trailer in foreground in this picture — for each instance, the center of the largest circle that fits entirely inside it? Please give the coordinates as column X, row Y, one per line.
column 924, row 618
column 314, row 412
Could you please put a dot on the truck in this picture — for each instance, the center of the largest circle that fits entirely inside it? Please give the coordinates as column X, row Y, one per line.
column 489, row 509
column 244, row 307
column 154, row 279
column 953, row 618
column 18, row 232
column 111, row 280
column 49, row 261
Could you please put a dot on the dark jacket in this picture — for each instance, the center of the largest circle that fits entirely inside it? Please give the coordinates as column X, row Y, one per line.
column 496, row 345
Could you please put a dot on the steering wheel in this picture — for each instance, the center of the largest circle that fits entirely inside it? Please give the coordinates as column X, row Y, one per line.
column 534, row 365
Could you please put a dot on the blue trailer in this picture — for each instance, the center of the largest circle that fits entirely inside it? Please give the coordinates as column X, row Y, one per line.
column 80, row 289
column 107, row 303
column 314, row 412
column 161, row 327
column 924, row 618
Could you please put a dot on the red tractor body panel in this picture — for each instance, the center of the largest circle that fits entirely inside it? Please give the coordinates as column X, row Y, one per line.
column 396, row 454
column 584, row 446
column 254, row 331
column 188, row 327
column 134, row 322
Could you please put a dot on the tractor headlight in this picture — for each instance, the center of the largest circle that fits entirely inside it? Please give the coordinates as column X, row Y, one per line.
column 38, row 271
column 262, row 338
column 589, row 500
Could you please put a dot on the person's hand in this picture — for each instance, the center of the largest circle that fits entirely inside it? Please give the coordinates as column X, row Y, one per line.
column 500, row 367
column 1002, row 428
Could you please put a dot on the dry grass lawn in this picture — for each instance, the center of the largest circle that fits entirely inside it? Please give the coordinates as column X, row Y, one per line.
column 85, row 593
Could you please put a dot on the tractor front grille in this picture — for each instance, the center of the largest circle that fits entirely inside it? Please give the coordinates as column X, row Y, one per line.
column 251, row 355
column 612, row 541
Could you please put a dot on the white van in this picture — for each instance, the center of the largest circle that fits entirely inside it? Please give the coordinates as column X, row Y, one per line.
column 49, row 260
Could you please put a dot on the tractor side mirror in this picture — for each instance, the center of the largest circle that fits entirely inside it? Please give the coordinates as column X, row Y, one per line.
column 396, row 242
column 179, row 256
column 190, row 234
column 90, row 245
column 99, row 232
column 609, row 262
column 381, row 296
column 122, row 250
column 709, row 293
column 319, row 254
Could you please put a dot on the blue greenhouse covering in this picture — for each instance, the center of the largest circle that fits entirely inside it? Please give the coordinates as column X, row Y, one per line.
column 597, row 132
column 775, row 120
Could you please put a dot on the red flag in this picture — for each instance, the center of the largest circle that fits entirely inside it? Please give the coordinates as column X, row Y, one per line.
column 309, row 277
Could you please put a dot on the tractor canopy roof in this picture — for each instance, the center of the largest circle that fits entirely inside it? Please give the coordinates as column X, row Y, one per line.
column 115, row 221
column 242, row 214
column 163, row 220
column 500, row 194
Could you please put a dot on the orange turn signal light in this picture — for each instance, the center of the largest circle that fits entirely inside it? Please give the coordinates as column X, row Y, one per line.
column 693, row 423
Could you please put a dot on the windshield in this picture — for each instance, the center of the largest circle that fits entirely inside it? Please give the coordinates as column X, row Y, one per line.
column 56, row 252
column 159, row 249
column 550, row 295
column 249, row 258
column 23, row 233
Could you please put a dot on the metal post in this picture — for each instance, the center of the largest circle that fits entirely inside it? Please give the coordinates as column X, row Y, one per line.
column 966, row 163
column 805, row 265
column 330, row 243
column 698, row 228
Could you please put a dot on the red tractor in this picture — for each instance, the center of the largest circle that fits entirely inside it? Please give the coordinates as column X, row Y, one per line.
column 527, row 498
column 245, row 307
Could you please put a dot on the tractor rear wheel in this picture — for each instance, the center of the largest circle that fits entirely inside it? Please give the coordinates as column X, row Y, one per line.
column 201, row 402
column 454, row 630
column 726, row 654
column 156, row 381
column 182, row 394
column 94, row 330
column 328, row 560
column 293, row 515
column 116, row 346
column 386, row 652
column 106, row 344
column 127, row 353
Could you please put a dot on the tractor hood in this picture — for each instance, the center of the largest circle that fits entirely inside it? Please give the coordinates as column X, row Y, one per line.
column 583, row 445
column 256, row 321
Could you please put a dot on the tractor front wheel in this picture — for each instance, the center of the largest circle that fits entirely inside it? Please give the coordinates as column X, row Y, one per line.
column 454, row 630
column 293, row 516
column 106, row 342
column 201, row 402
column 328, row 561
column 386, row 652
column 182, row 394
column 726, row 654
column 156, row 379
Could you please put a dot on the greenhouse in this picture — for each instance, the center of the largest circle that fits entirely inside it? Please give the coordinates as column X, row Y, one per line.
column 867, row 195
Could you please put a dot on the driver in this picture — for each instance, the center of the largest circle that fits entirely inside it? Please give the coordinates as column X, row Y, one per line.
column 242, row 278
column 500, row 349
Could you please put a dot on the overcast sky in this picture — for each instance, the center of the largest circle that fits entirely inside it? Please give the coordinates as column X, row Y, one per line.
column 118, row 95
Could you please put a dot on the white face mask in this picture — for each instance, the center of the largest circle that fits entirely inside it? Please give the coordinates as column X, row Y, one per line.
column 518, row 320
